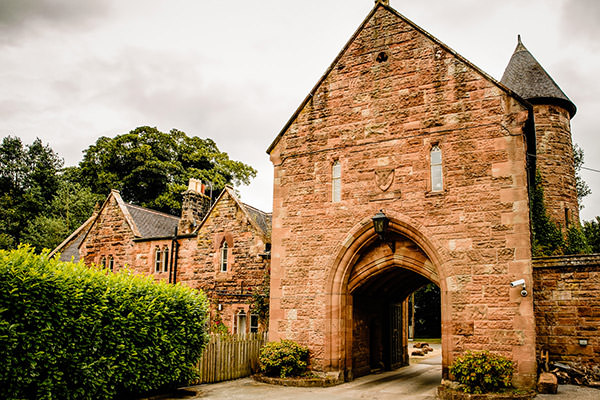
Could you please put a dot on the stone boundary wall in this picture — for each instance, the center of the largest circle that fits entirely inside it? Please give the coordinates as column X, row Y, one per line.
column 567, row 307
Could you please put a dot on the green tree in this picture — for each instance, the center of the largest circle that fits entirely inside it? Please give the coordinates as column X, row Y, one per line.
column 70, row 207
column 428, row 315
column 582, row 188
column 576, row 241
column 152, row 168
column 591, row 229
column 28, row 181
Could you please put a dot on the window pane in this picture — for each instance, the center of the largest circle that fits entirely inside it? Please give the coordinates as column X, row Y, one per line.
column 336, row 182
column 253, row 323
column 436, row 155
column 224, row 254
column 436, row 178
column 166, row 259
column 337, row 190
column 337, row 169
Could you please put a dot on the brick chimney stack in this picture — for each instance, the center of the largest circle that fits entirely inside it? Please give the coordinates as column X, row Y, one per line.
column 195, row 206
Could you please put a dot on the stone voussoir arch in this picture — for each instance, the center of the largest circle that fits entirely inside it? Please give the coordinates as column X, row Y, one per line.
column 339, row 298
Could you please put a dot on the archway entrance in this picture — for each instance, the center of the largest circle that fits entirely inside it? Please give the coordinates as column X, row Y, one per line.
column 369, row 297
column 380, row 306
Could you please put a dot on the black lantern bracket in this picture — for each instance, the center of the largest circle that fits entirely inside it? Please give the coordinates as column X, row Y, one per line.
column 381, row 225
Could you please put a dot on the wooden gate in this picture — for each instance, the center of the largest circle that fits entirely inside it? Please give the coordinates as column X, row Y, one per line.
column 228, row 357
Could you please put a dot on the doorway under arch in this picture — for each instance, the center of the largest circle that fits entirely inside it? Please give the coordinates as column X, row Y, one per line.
column 370, row 285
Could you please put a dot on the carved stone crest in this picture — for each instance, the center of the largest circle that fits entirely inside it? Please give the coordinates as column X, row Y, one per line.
column 384, row 178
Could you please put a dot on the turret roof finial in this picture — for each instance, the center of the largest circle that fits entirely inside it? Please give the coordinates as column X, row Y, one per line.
column 384, row 2
column 529, row 80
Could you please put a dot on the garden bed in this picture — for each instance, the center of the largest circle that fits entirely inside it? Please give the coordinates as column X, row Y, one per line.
column 447, row 393
column 301, row 381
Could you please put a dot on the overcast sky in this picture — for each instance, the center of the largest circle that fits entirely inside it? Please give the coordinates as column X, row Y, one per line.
column 235, row 71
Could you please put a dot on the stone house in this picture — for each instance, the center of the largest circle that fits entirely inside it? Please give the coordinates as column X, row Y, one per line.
column 404, row 130
column 222, row 248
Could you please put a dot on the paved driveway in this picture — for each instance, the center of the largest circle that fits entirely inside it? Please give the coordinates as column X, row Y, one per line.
column 418, row 381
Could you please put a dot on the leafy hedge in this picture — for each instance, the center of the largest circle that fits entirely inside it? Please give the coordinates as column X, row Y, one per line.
column 482, row 372
column 283, row 359
column 72, row 332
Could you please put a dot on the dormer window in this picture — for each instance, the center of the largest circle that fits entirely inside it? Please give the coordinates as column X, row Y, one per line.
column 435, row 157
column 224, row 255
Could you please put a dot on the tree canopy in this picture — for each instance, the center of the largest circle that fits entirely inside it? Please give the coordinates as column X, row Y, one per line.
column 41, row 202
column 28, row 181
column 151, row 168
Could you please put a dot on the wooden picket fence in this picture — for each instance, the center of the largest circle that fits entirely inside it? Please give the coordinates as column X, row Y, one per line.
column 228, row 357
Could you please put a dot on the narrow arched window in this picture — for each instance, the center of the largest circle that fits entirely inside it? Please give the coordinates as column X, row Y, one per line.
column 224, row 255
column 165, row 260
column 111, row 263
column 157, row 259
column 437, row 182
column 103, row 262
column 336, row 182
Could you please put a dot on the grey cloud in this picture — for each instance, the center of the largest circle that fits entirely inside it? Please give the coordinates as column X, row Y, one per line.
column 580, row 21
column 22, row 17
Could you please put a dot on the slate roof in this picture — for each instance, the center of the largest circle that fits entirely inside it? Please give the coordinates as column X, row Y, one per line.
column 262, row 219
column 525, row 76
column 152, row 224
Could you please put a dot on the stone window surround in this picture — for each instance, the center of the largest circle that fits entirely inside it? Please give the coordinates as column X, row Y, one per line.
column 220, row 239
column 336, row 181
column 430, row 183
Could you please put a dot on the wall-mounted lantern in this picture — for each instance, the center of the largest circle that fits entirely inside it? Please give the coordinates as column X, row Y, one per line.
column 381, row 224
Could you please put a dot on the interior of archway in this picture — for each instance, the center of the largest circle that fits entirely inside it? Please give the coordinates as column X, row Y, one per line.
column 380, row 283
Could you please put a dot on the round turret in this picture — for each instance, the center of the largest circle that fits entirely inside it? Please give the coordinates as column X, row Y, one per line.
column 552, row 112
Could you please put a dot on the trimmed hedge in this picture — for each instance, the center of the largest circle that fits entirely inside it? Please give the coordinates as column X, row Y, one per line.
column 68, row 331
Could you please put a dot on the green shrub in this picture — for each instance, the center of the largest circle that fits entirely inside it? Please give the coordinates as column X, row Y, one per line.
column 283, row 359
column 72, row 332
column 482, row 372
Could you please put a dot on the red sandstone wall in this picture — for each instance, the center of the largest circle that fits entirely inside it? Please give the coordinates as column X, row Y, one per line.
column 555, row 162
column 199, row 260
column 110, row 235
column 567, row 307
column 374, row 115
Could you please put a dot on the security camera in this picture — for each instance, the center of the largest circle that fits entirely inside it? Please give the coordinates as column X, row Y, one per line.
column 524, row 293
column 517, row 283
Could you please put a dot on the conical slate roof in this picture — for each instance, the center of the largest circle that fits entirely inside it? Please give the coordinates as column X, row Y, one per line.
column 526, row 77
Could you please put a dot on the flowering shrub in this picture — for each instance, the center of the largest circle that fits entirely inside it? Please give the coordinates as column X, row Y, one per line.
column 482, row 372
column 218, row 326
column 283, row 359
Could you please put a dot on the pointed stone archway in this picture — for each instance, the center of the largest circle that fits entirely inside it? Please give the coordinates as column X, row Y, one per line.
column 367, row 300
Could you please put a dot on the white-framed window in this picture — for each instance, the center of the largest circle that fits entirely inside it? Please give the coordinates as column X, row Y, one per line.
column 224, row 253
column 111, row 263
column 165, row 260
column 241, row 323
column 253, row 323
column 336, row 182
column 157, row 259
column 437, row 177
